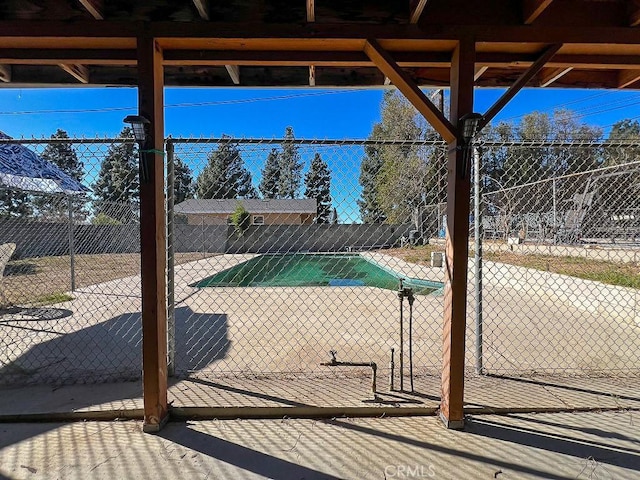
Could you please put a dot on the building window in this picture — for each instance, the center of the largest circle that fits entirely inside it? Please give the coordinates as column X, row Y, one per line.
column 258, row 219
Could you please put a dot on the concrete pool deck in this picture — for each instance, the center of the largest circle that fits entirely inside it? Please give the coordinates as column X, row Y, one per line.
column 237, row 336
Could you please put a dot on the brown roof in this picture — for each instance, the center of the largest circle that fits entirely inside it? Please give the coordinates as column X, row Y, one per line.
column 276, row 42
column 197, row 206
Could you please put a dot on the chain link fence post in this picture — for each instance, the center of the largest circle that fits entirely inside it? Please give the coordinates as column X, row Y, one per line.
column 171, row 312
column 477, row 216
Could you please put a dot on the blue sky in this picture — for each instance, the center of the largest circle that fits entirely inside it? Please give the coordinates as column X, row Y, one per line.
column 265, row 113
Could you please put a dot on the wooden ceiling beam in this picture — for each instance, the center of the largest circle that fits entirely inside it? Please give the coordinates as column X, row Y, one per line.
column 311, row 11
column 550, row 75
column 416, row 12
column 410, row 90
column 55, row 56
column 532, row 9
column 94, row 7
column 202, row 6
column 628, row 77
column 521, row 82
column 5, row 73
column 79, row 72
column 332, row 35
column 234, row 73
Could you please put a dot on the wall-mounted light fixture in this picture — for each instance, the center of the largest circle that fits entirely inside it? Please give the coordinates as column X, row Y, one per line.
column 139, row 125
column 469, row 123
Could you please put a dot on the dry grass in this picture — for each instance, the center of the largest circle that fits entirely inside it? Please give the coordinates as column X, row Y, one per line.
column 611, row 273
column 45, row 279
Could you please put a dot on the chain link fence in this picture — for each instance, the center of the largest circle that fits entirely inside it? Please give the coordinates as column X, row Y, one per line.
column 284, row 251
column 560, row 258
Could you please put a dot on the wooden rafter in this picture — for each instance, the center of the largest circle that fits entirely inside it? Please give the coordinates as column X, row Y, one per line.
column 519, row 84
column 203, row 8
column 79, row 72
column 312, row 75
column 5, row 73
column 416, row 13
column 409, row 89
column 550, row 75
column 94, row 7
column 628, row 77
column 532, row 9
column 480, row 69
column 311, row 11
column 234, row 73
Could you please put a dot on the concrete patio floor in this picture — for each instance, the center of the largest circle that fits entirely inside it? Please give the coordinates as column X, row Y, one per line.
column 523, row 446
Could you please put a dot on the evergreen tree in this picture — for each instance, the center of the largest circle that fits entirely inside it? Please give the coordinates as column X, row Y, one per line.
column 370, row 209
column 290, row 167
column 183, row 181
column 117, row 186
column 270, row 175
column 225, row 175
column 64, row 156
column 405, row 171
column 14, row 203
column 318, row 185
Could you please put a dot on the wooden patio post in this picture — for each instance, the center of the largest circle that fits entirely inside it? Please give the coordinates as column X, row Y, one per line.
column 152, row 236
column 457, row 239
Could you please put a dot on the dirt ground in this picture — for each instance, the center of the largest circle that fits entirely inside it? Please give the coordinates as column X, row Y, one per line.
column 41, row 280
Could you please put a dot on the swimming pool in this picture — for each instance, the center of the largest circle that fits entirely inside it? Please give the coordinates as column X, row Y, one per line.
column 313, row 270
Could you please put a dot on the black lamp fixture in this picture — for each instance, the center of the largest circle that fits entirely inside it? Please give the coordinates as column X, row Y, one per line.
column 139, row 125
column 469, row 122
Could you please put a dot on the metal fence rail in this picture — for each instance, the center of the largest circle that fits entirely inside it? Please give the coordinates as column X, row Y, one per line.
column 266, row 278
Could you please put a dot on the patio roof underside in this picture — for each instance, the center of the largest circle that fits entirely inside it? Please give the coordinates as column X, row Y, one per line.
column 280, row 43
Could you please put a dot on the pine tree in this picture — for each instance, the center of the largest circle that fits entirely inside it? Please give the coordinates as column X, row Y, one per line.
column 15, row 203
column 183, row 181
column 64, row 156
column 290, row 167
column 395, row 177
column 117, row 186
column 370, row 209
column 270, row 176
column 318, row 185
column 225, row 175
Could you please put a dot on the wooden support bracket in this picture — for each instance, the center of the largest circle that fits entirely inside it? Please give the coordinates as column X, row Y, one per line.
column 532, row 9
column 531, row 72
column 550, row 75
column 234, row 73
column 79, row 72
column 94, row 7
column 628, row 77
column 5, row 73
column 203, row 8
column 409, row 89
column 312, row 76
column 416, row 13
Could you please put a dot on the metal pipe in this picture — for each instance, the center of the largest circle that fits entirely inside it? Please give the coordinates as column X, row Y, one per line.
column 72, row 252
column 477, row 214
column 373, row 365
column 411, row 299
column 392, row 367
column 401, row 298
column 171, row 302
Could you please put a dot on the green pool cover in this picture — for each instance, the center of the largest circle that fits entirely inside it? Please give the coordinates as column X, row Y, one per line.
column 312, row 270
